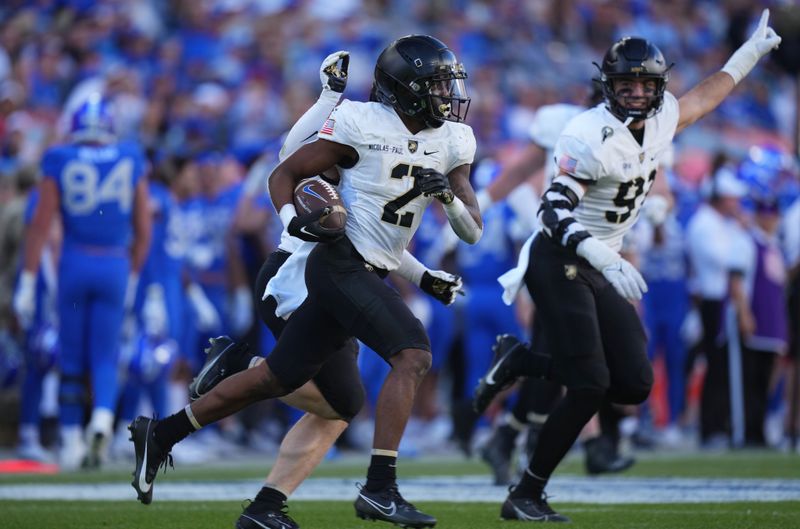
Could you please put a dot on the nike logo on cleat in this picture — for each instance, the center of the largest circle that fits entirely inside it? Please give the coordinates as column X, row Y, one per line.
column 523, row 516
column 386, row 510
column 490, row 374
column 144, row 486
column 283, row 525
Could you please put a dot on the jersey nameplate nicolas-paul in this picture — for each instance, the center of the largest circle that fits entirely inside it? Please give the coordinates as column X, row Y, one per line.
column 597, row 149
column 384, row 207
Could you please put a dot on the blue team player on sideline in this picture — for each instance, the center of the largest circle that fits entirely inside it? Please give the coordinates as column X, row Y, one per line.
column 98, row 188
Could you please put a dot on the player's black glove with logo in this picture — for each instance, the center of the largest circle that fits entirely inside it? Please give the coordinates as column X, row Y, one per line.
column 307, row 227
column 434, row 184
column 441, row 285
column 333, row 76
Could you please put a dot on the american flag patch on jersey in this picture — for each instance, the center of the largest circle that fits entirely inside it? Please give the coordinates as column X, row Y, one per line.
column 567, row 163
column 327, row 127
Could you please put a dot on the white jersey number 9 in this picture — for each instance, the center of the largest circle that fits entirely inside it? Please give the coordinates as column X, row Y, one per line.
column 622, row 199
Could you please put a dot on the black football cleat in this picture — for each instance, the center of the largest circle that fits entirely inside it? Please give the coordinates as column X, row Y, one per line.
column 149, row 457
column 266, row 520
column 507, row 351
column 602, row 457
column 389, row 506
column 222, row 358
column 530, row 510
column 497, row 454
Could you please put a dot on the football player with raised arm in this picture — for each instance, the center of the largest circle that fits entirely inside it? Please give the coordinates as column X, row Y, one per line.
column 334, row 395
column 607, row 159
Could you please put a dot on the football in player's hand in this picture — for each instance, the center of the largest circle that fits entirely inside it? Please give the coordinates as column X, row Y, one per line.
column 315, row 193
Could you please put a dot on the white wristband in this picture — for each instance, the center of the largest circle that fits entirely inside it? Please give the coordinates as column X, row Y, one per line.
column 598, row 253
column 328, row 97
column 462, row 222
column 741, row 62
column 287, row 213
column 410, row 268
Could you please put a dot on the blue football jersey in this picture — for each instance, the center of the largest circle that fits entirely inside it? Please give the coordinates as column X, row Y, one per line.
column 96, row 184
column 162, row 261
column 210, row 219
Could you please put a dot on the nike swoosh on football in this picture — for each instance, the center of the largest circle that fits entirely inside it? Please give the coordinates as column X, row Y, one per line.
column 386, row 510
column 429, row 153
column 144, row 486
column 490, row 376
column 283, row 525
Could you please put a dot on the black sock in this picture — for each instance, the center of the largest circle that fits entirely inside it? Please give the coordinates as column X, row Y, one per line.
column 382, row 472
column 267, row 499
column 171, row 430
column 530, row 486
column 561, row 429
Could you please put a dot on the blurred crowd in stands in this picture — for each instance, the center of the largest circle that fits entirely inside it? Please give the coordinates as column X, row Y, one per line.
column 208, row 88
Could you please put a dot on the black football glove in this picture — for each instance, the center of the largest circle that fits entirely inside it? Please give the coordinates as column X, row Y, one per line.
column 333, row 76
column 434, row 184
column 441, row 285
column 307, row 227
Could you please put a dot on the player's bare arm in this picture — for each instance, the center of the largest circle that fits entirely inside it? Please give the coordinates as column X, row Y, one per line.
column 707, row 95
column 39, row 228
column 35, row 237
column 462, row 214
column 309, row 160
column 459, row 183
column 704, row 98
column 142, row 226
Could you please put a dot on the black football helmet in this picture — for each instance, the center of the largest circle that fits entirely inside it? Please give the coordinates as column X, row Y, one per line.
column 420, row 76
column 634, row 57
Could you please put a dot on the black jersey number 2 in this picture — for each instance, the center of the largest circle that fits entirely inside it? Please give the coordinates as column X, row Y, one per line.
column 622, row 199
column 390, row 214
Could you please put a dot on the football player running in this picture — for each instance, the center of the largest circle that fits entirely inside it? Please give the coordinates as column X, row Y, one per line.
column 607, row 159
column 375, row 314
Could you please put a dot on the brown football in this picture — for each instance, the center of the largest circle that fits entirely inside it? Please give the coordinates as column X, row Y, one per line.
column 315, row 193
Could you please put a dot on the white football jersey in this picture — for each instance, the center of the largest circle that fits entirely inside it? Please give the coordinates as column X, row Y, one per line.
column 597, row 149
column 547, row 125
column 383, row 207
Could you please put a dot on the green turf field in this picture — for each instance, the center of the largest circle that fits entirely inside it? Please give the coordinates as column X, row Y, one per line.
column 742, row 464
column 24, row 514
column 339, row 515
